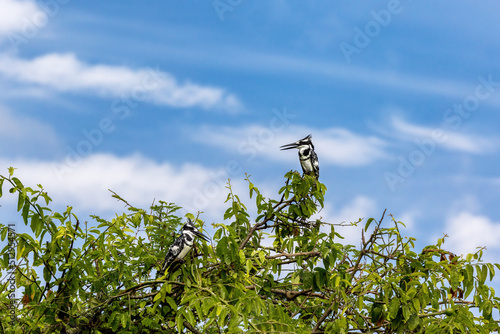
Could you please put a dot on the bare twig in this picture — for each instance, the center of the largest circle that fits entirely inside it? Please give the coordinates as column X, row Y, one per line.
column 262, row 223
column 288, row 255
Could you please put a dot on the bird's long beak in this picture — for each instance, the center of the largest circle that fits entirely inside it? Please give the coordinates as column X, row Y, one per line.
column 289, row 146
column 201, row 235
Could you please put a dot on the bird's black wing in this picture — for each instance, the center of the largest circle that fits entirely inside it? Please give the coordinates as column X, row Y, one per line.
column 315, row 163
column 172, row 254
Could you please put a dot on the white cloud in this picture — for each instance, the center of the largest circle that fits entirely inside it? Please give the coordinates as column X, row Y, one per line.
column 441, row 136
column 468, row 231
column 64, row 72
column 335, row 146
column 136, row 178
column 408, row 218
column 17, row 15
column 359, row 207
column 344, row 148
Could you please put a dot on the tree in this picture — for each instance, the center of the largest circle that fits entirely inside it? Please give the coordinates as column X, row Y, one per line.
column 277, row 272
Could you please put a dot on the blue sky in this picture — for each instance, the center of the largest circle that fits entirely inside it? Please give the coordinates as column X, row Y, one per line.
column 165, row 100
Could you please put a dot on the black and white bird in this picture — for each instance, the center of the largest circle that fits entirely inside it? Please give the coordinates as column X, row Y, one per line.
column 181, row 247
column 307, row 156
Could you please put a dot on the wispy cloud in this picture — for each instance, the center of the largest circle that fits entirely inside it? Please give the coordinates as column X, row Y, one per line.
column 26, row 136
column 335, row 146
column 250, row 60
column 65, row 72
column 449, row 139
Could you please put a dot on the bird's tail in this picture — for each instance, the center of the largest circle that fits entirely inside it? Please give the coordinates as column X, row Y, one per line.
column 165, row 266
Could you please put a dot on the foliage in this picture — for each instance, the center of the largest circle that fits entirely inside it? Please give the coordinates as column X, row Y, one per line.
column 279, row 272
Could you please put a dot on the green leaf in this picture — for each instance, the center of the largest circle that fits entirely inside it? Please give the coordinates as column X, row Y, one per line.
column 46, row 274
column 18, row 183
column 242, row 257
column 187, row 298
column 492, row 270
column 250, row 187
column 124, row 320
column 112, row 318
column 20, row 201
column 249, row 266
column 158, row 296
column 5, row 230
column 179, row 322
column 171, row 302
column 262, row 256
column 222, row 317
column 376, row 312
column 482, row 273
column 416, row 304
column 58, row 216
column 189, row 316
column 414, row 321
column 406, row 312
column 221, row 248
column 393, row 308
column 468, row 280
column 218, row 234
column 228, row 214
column 368, row 222
column 36, row 225
column 360, row 303
column 26, row 210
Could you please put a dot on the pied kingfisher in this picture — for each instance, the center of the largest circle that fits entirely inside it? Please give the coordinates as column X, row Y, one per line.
column 181, row 247
column 307, row 156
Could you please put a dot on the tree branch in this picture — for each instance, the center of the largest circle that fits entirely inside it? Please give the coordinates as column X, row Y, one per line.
column 291, row 294
column 191, row 328
column 355, row 269
column 307, row 254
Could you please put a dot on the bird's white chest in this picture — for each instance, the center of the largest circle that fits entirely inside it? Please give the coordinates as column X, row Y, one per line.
column 307, row 165
column 185, row 250
column 305, row 158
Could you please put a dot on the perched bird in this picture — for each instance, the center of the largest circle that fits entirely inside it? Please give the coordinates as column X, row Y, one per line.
column 307, row 156
column 181, row 247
